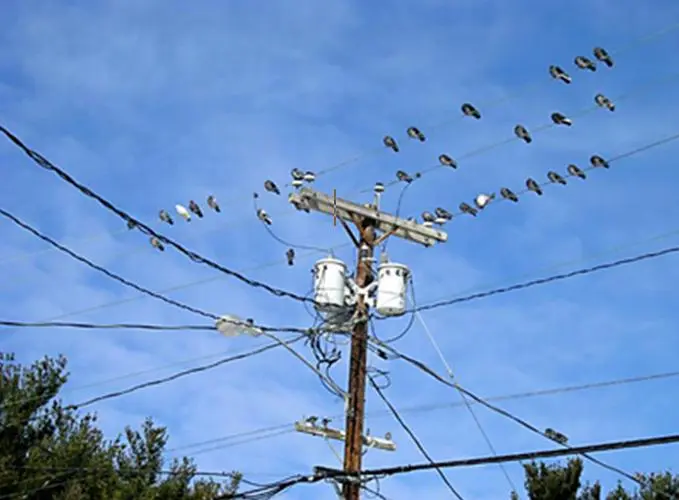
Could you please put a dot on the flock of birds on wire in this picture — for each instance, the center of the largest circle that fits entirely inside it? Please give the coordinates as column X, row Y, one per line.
column 440, row 215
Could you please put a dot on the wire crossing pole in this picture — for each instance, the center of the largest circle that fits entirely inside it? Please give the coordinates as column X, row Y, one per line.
column 353, row 443
column 368, row 219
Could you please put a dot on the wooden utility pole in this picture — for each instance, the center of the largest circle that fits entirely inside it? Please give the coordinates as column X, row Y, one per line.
column 368, row 219
column 353, row 443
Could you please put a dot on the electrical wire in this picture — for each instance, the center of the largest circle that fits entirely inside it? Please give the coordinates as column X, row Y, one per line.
column 103, row 270
column 195, row 257
column 113, row 326
column 523, row 423
column 413, row 437
column 184, row 373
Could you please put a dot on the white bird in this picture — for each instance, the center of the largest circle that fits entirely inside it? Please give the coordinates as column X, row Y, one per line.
column 193, row 206
column 584, row 63
column 532, row 185
column 603, row 56
column 604, row 102
column 447, row 161
column 390, row 142
column 559, row 74
column 264, row 217
column 508, row 194
column 560, row 119
column 309, row 176
column 155, row 243
column 482, row 200
column 415, row 133
column 574, row 171
column 469, row 110
column 183, row 212
column 212, row 203
column 165, row 217
column 555, row 178
column 523, row 134
column 466, row 208
column 271, row 187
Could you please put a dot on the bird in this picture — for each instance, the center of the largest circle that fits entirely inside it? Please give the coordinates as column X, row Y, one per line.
column 604, row 102
column 311, row 420
column 155, row 243
column 508, row 194
column 559, row 74
column 309, row 176
column 325, row 422
column 290, row 255
column 575, row 171
column 555, row 178
column 131, row 224
column 482, row 200
column 469, row 110
column 181, row 210
column 297, row 177
column 442, row 215
column 522, row 133
column 601, row 54
column 532, row 185
column 212, row 203
column 598, row 161
column 378, row 188
column 271, row 187
column 447, row 161
column 390, row 142
column 466, row 208
column 583, row 63
column 428, row 219
column 165, row 217
column 403, row 176
column 193, row 206
column 264, row 217
column 555, row 436
column 387, row 436
column 560, row 119
column 415, row 133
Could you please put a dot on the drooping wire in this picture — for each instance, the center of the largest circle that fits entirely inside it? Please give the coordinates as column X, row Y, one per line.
column 195, row 257
column 412, row 435
column 111, row 326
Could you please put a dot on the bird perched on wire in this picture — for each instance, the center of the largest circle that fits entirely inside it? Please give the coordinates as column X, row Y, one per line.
column 264, row 217
column 309, row 176
column 428, row 219
column 325, row 422
column 290, row 255
column 482, row 200
column 447, row 161
column 604, row 102
column 165, row 217
column 442, row 215
column 560, row 119
column 131, row 224
column 183, row 212
column 466, row 208
column 522, row 133
column 583, row 63
column 415, row 133
column 212, row 203
column 404, row 177
column 555, row 178
column 390, row 142
column 508, row 194
column 598, row 161
column 603, row 56
column 193, row 206
column 311, row 420
column 556, row 436
column 156, row 243
column 297, row 177
column 271, row 187
column 559, row 74
column 469, row 110
column 532, row 185
column 575, row 171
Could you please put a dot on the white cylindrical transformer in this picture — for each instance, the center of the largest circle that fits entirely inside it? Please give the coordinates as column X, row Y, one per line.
column 329, row 284
column 391, row 289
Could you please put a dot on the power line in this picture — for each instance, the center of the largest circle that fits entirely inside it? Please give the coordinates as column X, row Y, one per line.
column 184, row 373
column 413, row 437
column 46, row 164
column 324, row 473
column 113, row 326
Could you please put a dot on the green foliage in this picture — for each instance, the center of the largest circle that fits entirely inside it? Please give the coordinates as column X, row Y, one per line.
column 50, row 452
column 562, row 482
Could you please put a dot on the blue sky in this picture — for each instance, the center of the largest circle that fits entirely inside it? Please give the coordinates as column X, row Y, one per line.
column 153, row 103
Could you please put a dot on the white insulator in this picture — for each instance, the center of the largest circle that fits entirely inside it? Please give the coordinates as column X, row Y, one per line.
column 329, row 284
column 391, row 289
column 231, row 326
